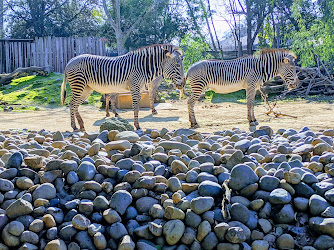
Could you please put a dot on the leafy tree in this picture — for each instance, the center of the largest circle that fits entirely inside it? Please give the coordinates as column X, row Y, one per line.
column 125, row 16
column 194, row 50
column 315, row 37
column 28, row 19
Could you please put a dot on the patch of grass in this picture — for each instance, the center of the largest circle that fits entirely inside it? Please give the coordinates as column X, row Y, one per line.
column 238, row 97
column 39, row 90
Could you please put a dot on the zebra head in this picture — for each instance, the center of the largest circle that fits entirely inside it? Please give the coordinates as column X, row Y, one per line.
column 287, row 71
column 173, row 67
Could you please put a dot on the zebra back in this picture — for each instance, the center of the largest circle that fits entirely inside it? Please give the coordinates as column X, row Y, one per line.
column 143, row 64
column 262, row 66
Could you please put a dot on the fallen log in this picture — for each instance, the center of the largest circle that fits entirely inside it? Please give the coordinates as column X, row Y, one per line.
column 21, row 72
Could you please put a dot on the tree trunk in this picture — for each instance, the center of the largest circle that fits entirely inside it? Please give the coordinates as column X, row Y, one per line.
column 208, row 26
column 249, row 28
column 240, row 52
column 198, row 30
column 21, row 72
column 1, row 19
column 214, row 29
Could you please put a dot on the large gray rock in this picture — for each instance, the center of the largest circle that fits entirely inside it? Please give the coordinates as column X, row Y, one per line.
column 6, row 185
column 209, row 188
column 242, row 176
column 144, row 204
column 45, row 191
column 279, row 196
column 127, row 135
column 173, row 231
column 240, row 213
column 120, row 201
column 86, row 171
column 18, row 208
column 201, row 204
column 317, row 204
column 322, row 225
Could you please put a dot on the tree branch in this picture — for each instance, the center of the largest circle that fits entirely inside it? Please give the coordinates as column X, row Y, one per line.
column 109, row 17
column 134, row 25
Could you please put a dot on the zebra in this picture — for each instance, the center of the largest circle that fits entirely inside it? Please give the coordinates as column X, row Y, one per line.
column 152, row 88
column 129, row 72
column 249, row 72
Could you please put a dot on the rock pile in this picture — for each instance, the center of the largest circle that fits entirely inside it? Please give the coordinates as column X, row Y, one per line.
column 171, row 189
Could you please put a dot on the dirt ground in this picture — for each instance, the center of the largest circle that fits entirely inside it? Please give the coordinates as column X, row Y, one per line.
column 174, row 115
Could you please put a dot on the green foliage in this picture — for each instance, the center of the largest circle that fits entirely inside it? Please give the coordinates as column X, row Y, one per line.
column 28, row 19
column 162, row 25
column 194, row 50
column 315, row 36
column 305, row 26
column 116, row 123
column 38, row 90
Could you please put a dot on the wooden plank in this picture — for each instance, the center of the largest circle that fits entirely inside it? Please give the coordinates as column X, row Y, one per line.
column 54, row 53
column 24, row 53
column 16, row 55
column 46, row 51
column 29, row 54
column 61, row 65
column 65, row 52
column 20, row 56
column 7, row 57
column 33, row 53
column 57, row 55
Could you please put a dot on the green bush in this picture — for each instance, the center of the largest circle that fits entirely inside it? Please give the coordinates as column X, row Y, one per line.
column 116, row 123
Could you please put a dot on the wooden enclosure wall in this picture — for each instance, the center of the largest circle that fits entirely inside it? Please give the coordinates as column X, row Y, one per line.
column 44, row 51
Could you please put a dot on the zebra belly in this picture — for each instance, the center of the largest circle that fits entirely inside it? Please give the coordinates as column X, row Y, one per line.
column 226, row 88
column 108, row 89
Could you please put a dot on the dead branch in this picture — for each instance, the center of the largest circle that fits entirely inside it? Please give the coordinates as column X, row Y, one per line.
column 226, row 202
column 21, row 72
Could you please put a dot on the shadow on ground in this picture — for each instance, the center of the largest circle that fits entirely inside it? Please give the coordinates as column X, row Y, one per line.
column 149, row 118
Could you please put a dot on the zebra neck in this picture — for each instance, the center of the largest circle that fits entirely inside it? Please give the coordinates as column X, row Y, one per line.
column 269, row 64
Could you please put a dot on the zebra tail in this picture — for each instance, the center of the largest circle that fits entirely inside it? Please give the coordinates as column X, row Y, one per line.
column 63, row 90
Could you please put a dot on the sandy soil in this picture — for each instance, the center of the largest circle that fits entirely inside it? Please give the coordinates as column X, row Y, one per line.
column 174, row 115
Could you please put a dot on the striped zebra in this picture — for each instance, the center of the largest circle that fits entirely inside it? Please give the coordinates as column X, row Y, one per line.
column 152, row 90
column 249, row 72
column 129, row 72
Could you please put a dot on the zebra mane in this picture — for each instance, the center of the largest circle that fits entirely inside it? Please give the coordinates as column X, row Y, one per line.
column 271, row 51
column 170, row 47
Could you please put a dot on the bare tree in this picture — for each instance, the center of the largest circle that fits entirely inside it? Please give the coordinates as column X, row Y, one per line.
column 122, row 33
column 194, row 19
column 214, row 29
column 235, row 9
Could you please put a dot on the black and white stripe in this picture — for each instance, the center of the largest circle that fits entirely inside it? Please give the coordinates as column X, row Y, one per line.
column 249, row 72
column 129, row 72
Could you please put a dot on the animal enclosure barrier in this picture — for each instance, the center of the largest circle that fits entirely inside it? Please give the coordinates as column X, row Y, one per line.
column 46, row 51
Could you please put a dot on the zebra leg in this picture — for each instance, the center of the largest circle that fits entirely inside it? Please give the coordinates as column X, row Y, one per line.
column 107, row 99
column 73, row 107
column 136, row 95
column 84, row 95
column 114, row 99
column 153, row 91
column 191, row 104
column 250, row 96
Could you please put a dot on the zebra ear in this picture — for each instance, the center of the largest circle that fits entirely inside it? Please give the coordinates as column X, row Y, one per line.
column 286, row 60
column 168, row 53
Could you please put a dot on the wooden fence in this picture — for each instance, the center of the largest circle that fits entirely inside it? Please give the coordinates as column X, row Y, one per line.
column 43, row 51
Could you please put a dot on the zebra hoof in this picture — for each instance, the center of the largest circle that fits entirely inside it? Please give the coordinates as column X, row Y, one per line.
column 254, row 123
column 194, row 125
column 117, row 115
column 82, row 130
column 252, row 128
column 107, row 115
column 154, row 112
